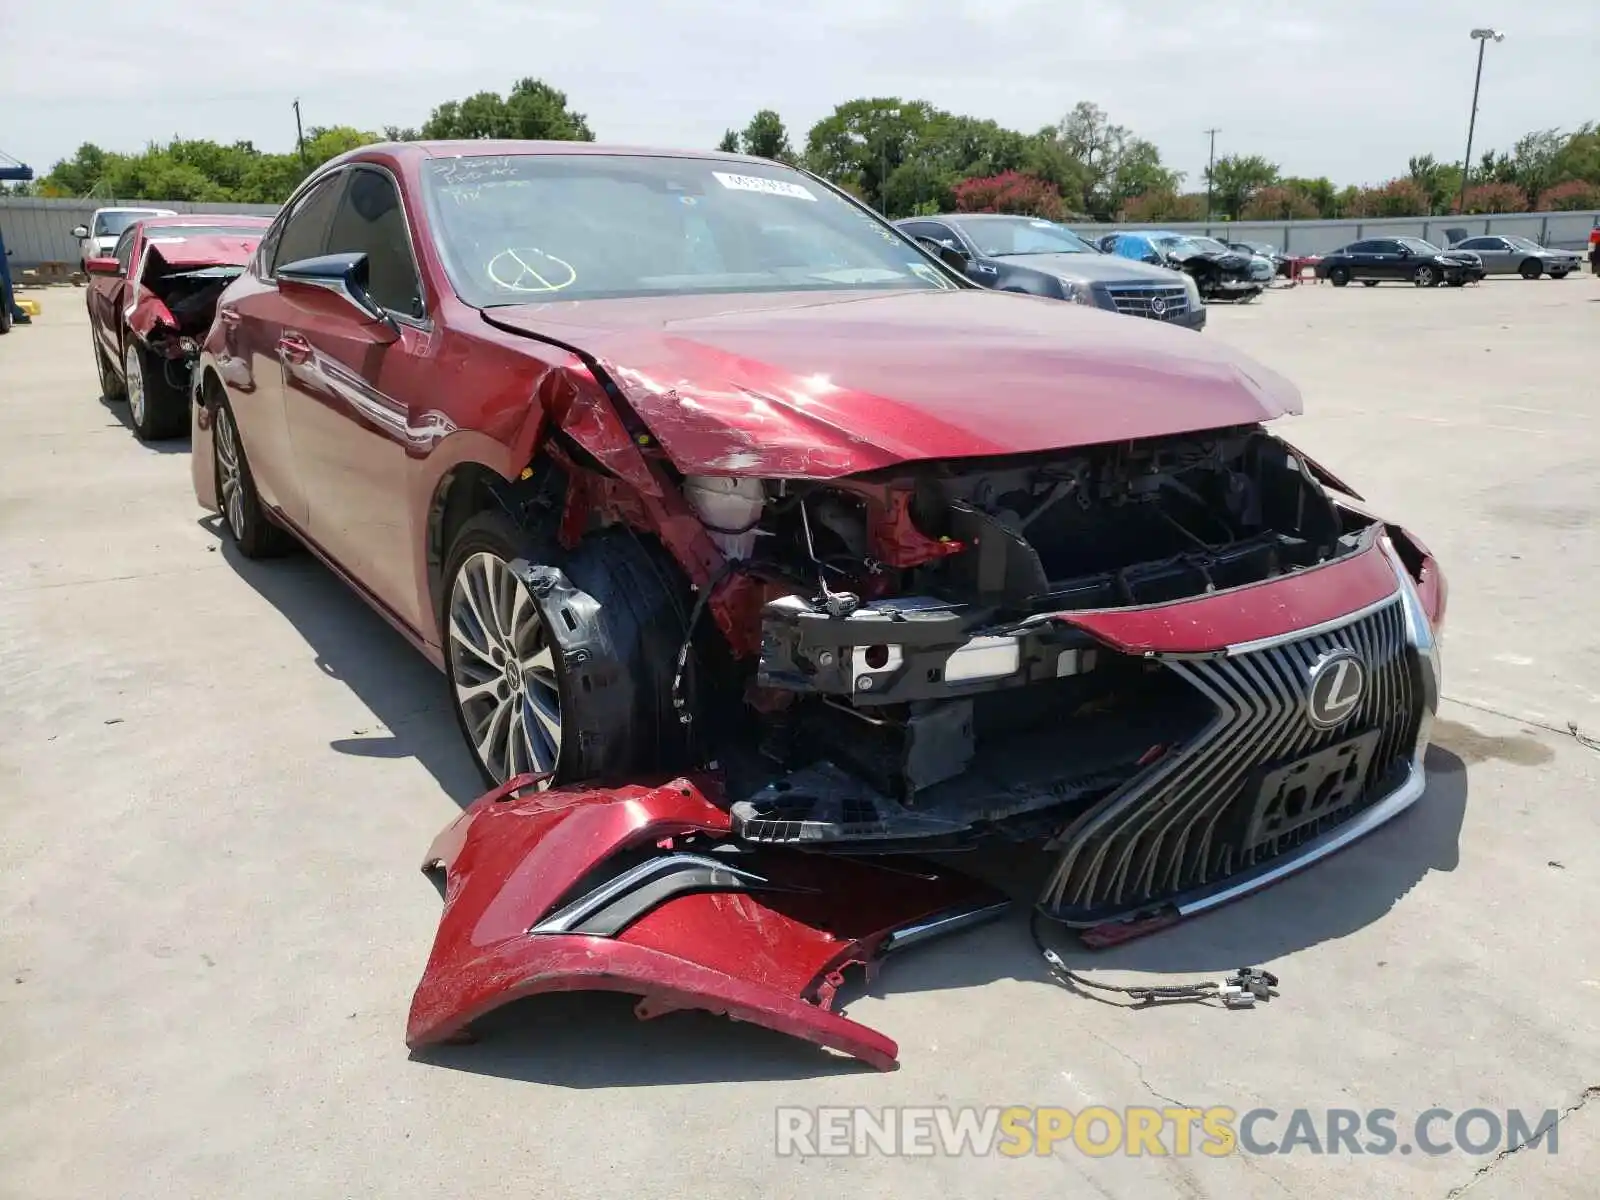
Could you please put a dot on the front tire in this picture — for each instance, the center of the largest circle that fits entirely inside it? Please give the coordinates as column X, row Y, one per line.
column 1425, row 277
column 242, row 510
column 1531, row 268
column 156, row 409
column 1339, row 276
column 588, row 698
column 1558, row 274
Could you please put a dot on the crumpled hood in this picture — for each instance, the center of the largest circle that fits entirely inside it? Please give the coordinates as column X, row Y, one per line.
column 211, row 250
column 799, row 385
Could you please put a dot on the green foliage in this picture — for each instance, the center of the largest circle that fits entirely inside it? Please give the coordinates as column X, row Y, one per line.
column 1165, row 205
column 1235, row 178
column 1323, row 196
column 1401, row 197
column 765, row 137
column 1279, row 203
column 1496, row 198
column 730, row 142
column 532, row 109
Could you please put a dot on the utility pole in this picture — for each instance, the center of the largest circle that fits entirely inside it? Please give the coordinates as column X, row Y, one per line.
column 1211, row 166
column 1481, row 36
column 300, row 135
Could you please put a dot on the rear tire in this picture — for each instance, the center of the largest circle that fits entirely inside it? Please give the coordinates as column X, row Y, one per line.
column 1531, row 268
column 254, row 532
column 566, row 666
column 1340, row 276
column 156, row 409
column 111, row 388
column 1369, row 283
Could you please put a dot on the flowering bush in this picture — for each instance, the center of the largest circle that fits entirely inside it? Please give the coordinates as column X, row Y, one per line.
column 1496, row 198
column 1164, row 206
column 1279, row 204
column 1571, row 196
column 1010, row 192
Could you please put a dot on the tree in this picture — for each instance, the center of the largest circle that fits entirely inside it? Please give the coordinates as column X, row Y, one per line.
column 1534, row 161
column 1320, row 192
column 1398, row 198
column 730, row 142
column 1089, row 137
column 861, row 143
column 1571, row 196
column 1138, row 171
column 532, row 109
column 1496, row 198
column 1009, row 192
column 1440, row 182
column 1235, row 178
column 1165, row 206
column 1579, row 158
column 765, row 137
column 1279, row 203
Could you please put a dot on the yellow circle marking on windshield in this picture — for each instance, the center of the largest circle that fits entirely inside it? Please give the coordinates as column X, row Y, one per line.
column 512, row 270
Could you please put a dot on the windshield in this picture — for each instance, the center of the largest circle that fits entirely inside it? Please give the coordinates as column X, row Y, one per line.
column 1420, row 246
column 1522, row 243
column 1023, row 235
column 111, row 224
column 515, row 229
column 1210, row 244
column 1173, row 244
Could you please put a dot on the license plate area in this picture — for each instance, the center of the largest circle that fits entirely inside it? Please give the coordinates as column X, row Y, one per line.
column 1289, row 797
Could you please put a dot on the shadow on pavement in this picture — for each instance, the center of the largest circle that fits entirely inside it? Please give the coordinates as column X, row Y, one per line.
column 119, row 410
column 356, row 646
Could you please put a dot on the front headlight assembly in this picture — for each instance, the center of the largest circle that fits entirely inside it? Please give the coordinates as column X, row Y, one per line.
column 1076, row 291
column 1191, row 289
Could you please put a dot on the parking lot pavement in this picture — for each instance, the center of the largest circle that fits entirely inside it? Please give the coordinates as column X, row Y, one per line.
column 217, row 779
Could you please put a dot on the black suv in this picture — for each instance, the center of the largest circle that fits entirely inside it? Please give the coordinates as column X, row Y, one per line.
column 1407, row 260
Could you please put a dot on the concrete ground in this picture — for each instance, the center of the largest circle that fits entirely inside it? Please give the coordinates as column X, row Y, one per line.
column 217, row 778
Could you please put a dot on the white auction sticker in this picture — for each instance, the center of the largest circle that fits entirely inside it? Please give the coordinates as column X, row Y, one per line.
column 754, row 183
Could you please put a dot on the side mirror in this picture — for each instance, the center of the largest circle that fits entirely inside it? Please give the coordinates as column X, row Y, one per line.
column 1405, row 252
column 102, row 266
column 946, row 252
column 80, row 232
column 339, row 277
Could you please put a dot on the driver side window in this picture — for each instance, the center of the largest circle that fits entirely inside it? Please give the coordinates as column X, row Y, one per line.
column 370, row 220
column 305, row 234
column 124, row 250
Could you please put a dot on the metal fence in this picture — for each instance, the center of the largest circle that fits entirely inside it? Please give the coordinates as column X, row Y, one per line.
column 39, row 231
column 1560, row 230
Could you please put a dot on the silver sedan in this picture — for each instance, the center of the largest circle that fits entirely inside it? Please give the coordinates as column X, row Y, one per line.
column 1520, row 256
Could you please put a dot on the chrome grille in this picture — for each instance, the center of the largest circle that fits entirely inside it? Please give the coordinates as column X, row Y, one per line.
column 1139, row 300
column 1182, row 824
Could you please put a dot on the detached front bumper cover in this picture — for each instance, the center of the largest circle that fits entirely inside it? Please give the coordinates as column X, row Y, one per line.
column 638, row 890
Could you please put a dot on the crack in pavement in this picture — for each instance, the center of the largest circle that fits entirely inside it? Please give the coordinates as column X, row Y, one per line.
column 1588, row 1094
column 1138, row 1067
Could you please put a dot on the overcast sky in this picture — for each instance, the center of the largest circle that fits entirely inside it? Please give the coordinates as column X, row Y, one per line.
column 1347, row 89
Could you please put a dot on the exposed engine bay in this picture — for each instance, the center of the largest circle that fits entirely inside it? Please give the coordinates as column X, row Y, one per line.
column 177, row 305
column 923, row 700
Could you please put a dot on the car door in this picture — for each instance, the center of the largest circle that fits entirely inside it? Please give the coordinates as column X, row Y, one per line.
column 1378, row 259
column 353, row 392
column 106, row 297
column 251, row 321
column 1499, row 256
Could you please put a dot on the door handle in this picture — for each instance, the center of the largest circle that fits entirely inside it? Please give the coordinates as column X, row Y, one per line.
column 293, row 348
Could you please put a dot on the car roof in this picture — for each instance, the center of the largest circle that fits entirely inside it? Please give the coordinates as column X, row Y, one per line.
column 180, row 220
column 490, row 147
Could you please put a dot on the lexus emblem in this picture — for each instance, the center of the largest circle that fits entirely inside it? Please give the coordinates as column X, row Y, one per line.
column 1338, row 682
column 1158, row 306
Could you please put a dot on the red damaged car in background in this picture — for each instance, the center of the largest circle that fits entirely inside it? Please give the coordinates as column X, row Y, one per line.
column 781, row 555
column 151, row 302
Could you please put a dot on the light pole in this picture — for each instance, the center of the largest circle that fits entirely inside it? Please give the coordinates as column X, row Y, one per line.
column 1481, row 36
column 1211, row 166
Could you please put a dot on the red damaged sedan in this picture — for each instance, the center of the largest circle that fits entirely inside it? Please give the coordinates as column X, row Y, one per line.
column 150, row 303
column 781, row 554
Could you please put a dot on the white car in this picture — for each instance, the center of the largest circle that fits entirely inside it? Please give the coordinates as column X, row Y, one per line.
column 99, row 237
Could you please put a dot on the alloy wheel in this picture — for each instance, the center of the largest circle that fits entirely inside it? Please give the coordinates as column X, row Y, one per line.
column 230, row 478
column 1424, row 276
column 135, row 375
column 502, row 667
